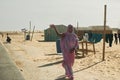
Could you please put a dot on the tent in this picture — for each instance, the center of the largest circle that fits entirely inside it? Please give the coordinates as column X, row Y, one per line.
column 50, row 34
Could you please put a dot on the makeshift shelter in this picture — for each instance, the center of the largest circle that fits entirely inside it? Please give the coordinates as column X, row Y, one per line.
column 93, row 29
column 50, row 34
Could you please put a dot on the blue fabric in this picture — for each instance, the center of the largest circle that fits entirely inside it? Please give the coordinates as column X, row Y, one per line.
column 95, row 38
column 58, row 46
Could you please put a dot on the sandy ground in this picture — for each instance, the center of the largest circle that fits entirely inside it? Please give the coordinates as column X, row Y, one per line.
column 38, row 60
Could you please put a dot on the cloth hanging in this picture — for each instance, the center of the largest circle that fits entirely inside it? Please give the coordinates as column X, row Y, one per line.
column 116, row 38
column 119, row 37
column 95, row 37
column 109, row 39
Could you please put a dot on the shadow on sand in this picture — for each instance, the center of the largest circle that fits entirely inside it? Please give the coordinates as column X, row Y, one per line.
column 62, row 77
column 50, row 64
column 88, row 67
column 53, row 54
column 44, row 41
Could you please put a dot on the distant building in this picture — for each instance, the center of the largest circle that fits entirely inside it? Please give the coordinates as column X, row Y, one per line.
column 97, row 27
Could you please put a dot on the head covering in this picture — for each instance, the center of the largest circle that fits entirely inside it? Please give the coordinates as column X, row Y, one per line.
column 70, row 27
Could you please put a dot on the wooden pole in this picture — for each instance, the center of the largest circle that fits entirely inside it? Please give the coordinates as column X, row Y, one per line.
column 24, row 35
column 105, row 12
column 30, row 28
column 32, row 33
column 77, row 27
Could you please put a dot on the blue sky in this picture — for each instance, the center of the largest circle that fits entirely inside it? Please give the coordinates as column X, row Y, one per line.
column 16, row 14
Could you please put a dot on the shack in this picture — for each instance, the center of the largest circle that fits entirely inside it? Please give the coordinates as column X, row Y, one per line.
column 80, row 31
column 50, row 34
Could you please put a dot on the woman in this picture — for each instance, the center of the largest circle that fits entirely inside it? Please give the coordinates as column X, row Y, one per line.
column 69, row 43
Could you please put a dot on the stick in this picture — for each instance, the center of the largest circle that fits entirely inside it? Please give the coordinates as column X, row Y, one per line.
column 32, row 33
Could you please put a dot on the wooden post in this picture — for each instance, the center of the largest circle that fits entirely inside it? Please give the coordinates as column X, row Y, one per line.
column 32, row 33
column 77, row 28
column 105, row 11
column 86, row 47
column 94, row 48
column 30, row 28
column 83, row 49
column 25, row 35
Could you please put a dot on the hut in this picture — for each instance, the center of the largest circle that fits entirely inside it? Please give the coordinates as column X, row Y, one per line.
column 80, row 31
column 50, row 34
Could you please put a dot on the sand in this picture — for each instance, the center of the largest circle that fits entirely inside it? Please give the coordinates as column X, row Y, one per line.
column 39, row 60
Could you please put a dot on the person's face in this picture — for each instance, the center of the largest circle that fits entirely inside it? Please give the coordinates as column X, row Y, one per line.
column 70, row 29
